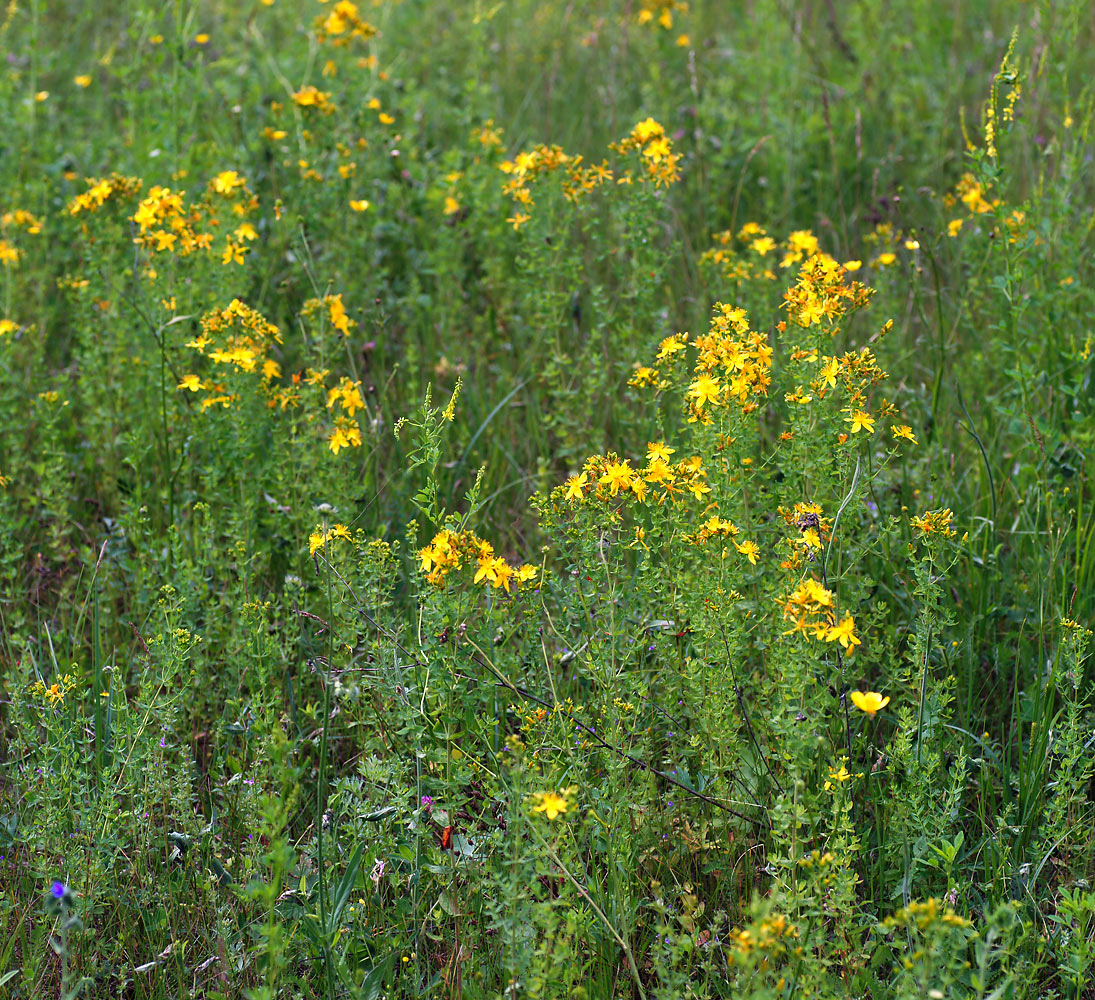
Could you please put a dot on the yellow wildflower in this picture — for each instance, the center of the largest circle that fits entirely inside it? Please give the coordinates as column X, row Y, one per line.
column 860, row 421
column 844, row 633
column 868, row 701
column 704, row 390
column 552, row 804
column 748, row 549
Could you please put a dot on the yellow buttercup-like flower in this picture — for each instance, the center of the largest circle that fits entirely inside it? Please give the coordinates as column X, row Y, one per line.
column 869, row 701
column 553, row 804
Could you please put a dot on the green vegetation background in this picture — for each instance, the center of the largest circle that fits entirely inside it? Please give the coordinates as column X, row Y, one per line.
column 240, row 751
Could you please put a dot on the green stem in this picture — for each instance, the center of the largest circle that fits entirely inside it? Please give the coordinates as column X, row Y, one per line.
column 320, row 786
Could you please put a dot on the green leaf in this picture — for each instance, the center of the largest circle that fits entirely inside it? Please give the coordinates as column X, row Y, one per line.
column 345, row 887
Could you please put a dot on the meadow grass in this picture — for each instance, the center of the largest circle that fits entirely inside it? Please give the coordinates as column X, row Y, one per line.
column 526, row 499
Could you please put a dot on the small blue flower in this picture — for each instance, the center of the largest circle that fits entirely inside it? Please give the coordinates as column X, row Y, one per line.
column 58, row 890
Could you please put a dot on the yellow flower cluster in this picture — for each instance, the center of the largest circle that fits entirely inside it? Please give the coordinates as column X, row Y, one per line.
column 770, row 937
column 100, row 191
column 752, row 254
column 935, row 522
column 605, row 478
column 347, row 394
column 655, row 149
column 238, row 337
column 452, row 550
column 10, row 254
column 488, row 134
column 813, row 529
column 821, row 295
column 743, row 256
column 334, row 310
column 538, row 716
column 926, row 914
column 660, row 165
column 717, row 527
column 227, row 182
column 1007, row 74
column 343, row 25
column 347, row 432
column 887, row 241
column 817, row 859
column 166, row 223
column 839, row 775
column 971, row 193
column 733, row 365
column 20, row 218
column 660, row 12
column 856, row 373
column 812, row 609
column 54, row 694
column 241, row 339
column 319, row 538
column 528, row 167
column 312, row 97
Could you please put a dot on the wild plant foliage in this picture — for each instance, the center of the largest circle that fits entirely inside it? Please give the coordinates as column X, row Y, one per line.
column 546, row 500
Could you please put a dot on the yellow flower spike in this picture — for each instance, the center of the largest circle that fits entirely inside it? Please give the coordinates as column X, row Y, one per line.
column 869, row 701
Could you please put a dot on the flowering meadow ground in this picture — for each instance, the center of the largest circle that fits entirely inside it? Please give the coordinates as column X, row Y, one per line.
column 547, row 499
